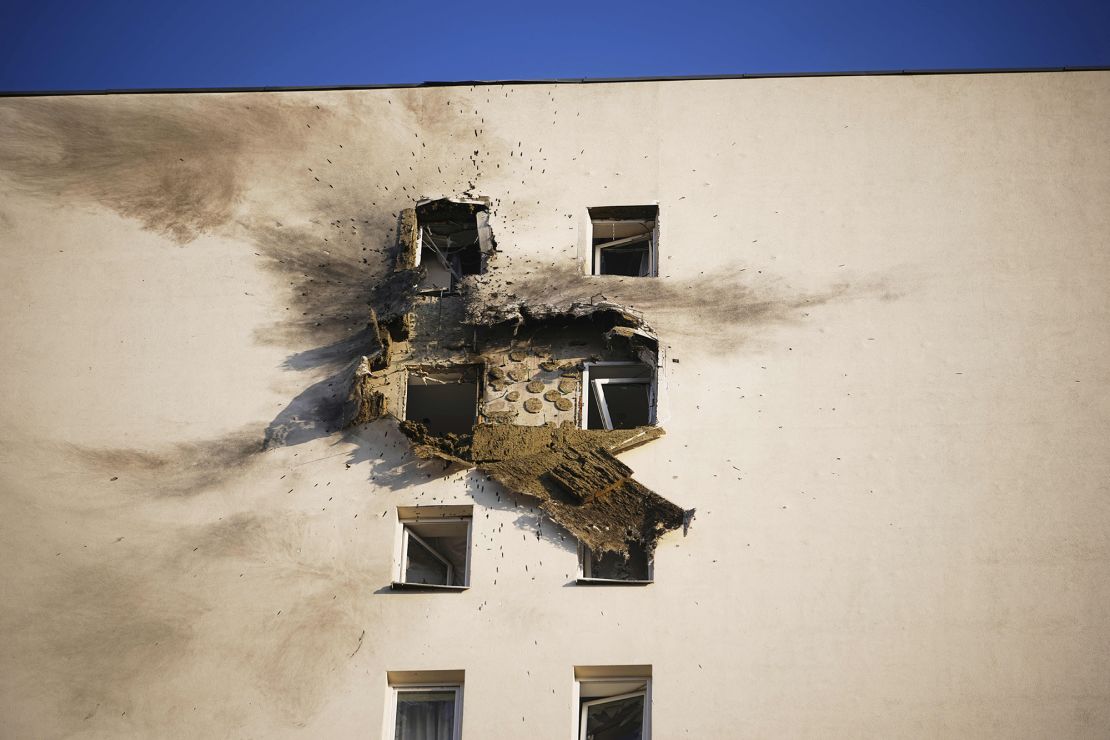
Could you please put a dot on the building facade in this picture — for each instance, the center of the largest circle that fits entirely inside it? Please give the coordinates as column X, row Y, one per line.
column 725, row 408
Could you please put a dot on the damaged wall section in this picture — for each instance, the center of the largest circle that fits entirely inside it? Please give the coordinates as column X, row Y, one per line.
column 523, row 377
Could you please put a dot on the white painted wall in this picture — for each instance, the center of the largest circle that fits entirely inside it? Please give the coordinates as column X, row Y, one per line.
column 886, row 302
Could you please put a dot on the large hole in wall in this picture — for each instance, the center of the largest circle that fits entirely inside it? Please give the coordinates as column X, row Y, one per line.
column 443, row 400
column 452, row 242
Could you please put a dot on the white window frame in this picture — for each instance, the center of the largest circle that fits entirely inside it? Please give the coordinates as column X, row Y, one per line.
column 594, row 389
column 406, row 534
column 581, row 706
column 652, row 237
column 457, row 688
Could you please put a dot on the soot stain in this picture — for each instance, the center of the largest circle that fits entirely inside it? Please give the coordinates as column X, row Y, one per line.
column 107, row 630
column 182, row 469
column 173, row 165
column 727, row 306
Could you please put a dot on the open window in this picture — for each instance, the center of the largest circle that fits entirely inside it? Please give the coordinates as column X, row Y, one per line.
column 610, row 568
column 434, row 547
column 618, row 395
column 613, row 706
column 453, row 239
column 624, row 240
column 427, row 705
column 445, row 400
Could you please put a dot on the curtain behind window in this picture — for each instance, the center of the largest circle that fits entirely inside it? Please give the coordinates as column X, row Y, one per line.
column 425, row 715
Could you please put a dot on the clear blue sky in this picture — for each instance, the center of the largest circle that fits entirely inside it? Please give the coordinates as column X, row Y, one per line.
column 97, row 44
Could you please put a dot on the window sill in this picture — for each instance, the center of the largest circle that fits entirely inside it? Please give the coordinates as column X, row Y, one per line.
column 402, row 586
column 610, row 582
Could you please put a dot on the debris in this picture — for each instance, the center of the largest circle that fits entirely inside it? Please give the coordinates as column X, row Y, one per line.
column 485, row 344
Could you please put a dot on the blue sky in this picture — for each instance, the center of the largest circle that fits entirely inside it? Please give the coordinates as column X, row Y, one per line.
column 72, row 45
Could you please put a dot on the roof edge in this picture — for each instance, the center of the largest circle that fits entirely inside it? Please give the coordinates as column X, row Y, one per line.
column 553, row 81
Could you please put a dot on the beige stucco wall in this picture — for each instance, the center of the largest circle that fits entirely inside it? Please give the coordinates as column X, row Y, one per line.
column 885, row 299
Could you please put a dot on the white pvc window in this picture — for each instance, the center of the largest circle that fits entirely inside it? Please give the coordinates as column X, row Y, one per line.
column 614, row 709
column 624, row 241
column 618, row 395
column 435, row 553
column 427, row 712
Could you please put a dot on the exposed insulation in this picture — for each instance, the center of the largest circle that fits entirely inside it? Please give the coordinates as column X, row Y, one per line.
column 573, row 474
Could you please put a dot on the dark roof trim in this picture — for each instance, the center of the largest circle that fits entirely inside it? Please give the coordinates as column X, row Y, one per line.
column 556, row 81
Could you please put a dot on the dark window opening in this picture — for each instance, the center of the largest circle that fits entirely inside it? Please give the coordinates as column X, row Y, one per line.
column 611, row 566
column 444, row 401
column 620, row 395
column 632, row 260
column 623, row 240
column 614, row 709
column 453, row 242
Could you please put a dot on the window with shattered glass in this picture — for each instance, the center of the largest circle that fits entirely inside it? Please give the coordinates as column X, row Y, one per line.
column 624, row 240
column 619, row 395
column 614, row 709
column 435, row 552
column 451, row 247
column 613, row 567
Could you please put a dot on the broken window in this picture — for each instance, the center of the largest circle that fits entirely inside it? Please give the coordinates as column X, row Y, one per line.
column 435, row 547
column 612, row 567
column 427, row 711
column 453, row 239
column 618, row 395
column 613, row 708
column 624, row 240
column 443, row 400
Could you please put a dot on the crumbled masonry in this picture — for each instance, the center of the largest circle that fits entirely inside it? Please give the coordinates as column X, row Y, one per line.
column 527, row 436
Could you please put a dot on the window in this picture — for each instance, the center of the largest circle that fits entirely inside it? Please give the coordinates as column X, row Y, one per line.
column 618, row 395
column 435, row 547
column 453, row 239
column 443, row 400
column 427, row 705
column 614, row 702
column 624, row 239
column 614, row 569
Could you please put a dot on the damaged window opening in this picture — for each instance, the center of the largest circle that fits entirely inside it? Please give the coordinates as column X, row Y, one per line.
column 624, row 240
column 443, row 400
column 533, row 399
column 435, row 550
column 452, row 242
column 426, row 710
column 613, row 568
column 617, row 708
column 618, row 395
